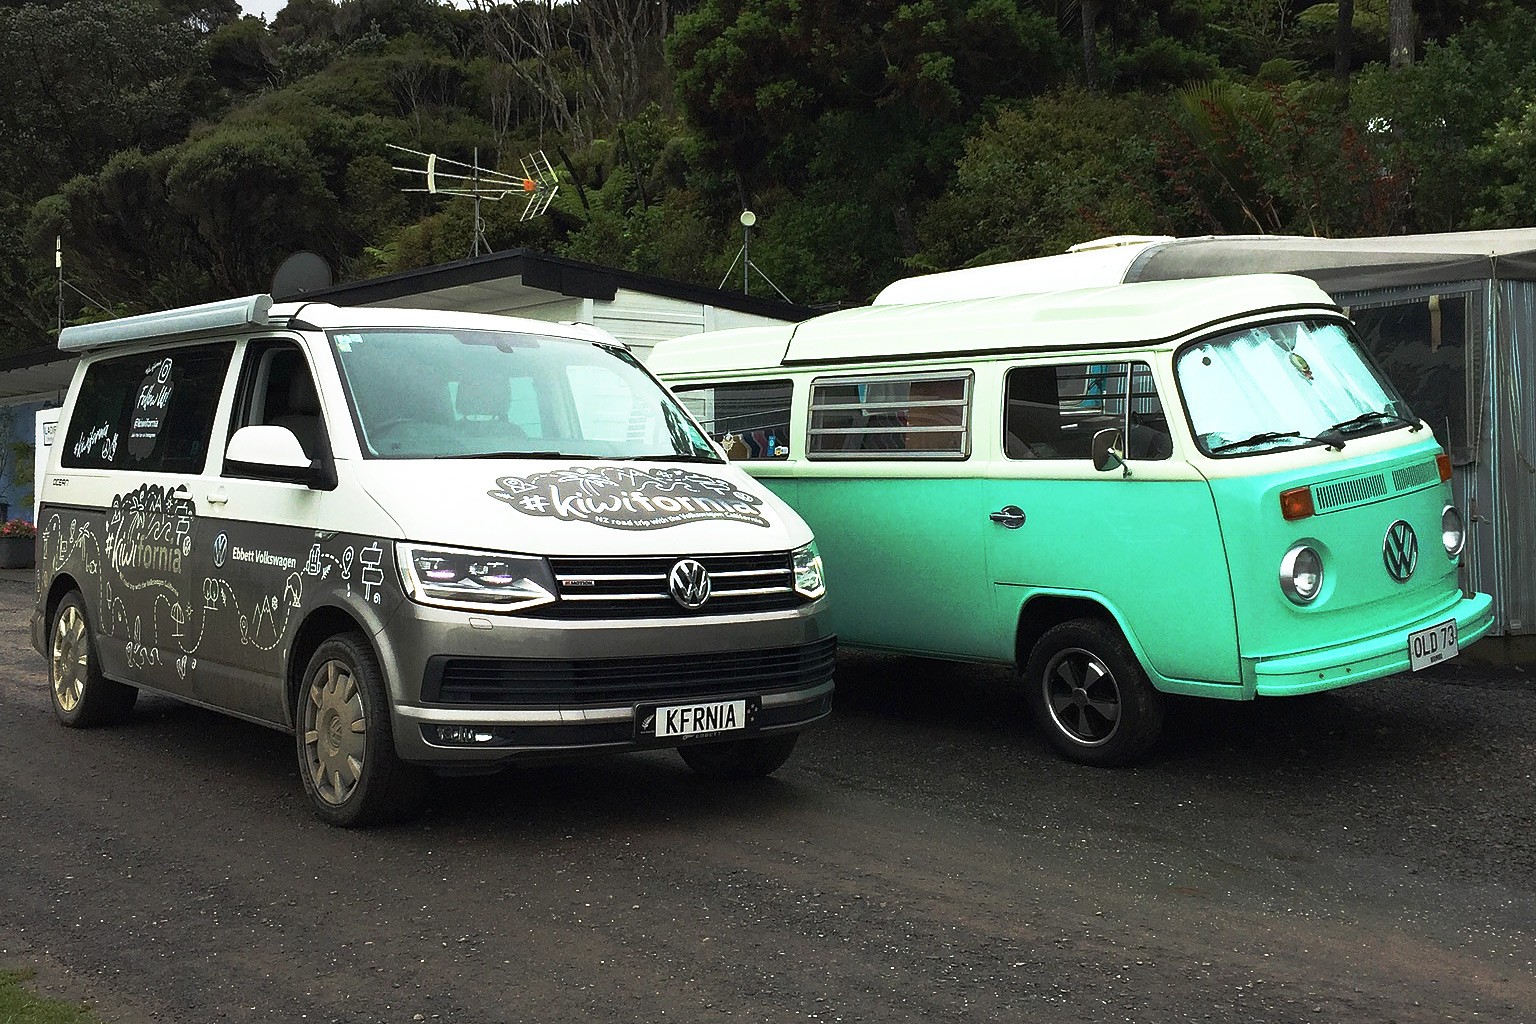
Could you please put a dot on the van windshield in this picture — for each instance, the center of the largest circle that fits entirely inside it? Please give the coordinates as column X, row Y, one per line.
column 1284, row 385
column 438, row 394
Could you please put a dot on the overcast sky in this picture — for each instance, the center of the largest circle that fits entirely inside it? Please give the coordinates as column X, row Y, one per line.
column 268, row 8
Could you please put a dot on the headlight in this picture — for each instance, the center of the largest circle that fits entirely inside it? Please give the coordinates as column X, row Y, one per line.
column 486, row 581
column 809, row 581
column 1453, row 532
column 1301, row 574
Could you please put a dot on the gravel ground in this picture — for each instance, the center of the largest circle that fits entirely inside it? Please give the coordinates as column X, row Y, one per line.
column 1364, row 855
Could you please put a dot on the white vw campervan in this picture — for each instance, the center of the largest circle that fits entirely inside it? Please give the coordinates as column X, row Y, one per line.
column 416, row 540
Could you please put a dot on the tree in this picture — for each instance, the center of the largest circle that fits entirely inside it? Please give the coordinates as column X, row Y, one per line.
column 1400, row 30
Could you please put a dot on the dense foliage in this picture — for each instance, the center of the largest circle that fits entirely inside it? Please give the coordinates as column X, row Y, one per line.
column 181, row 151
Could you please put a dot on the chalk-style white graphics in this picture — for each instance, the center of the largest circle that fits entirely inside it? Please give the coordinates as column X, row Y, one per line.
column 102, row 436
column 372, row 558
column 170, row 604
column 626, row 498
column 149, row 408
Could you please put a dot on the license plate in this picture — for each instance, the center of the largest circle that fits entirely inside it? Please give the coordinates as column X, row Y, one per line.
column 1431, row 646
column 672, row 720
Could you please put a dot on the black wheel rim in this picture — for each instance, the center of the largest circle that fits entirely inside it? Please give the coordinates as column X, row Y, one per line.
column 1082, row 696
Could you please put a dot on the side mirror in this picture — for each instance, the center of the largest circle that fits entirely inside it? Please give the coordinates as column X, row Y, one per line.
column 269, row 452
column 1107, row 453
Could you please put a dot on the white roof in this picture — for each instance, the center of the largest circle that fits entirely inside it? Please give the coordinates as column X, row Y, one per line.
column 1104, row 261
column 1113, row 316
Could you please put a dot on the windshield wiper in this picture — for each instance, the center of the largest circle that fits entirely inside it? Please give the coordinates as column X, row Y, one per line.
column 1366, row 418
column 520, row 455
column 1274, row 435
column 671, row 457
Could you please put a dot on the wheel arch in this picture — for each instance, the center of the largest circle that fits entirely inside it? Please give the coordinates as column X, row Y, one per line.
column 1043, row 610
column 62, row 584
column 318, row 626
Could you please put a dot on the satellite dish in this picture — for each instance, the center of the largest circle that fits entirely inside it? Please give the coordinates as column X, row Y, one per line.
column 304, row 271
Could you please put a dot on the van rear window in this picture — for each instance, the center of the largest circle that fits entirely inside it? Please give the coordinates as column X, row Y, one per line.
column 152, row 413
column 907, row 416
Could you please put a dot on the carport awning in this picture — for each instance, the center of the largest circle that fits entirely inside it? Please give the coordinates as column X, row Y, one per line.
column 1347, row 264
column 38, row 374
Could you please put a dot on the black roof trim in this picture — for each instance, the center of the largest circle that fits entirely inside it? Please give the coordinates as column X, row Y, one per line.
column 551, row 273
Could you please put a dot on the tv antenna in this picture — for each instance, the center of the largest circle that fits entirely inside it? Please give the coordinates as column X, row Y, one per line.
column 744, row 257
column 536, row 187
column 58, row 266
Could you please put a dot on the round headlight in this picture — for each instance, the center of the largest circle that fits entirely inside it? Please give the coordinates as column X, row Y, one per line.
column 1453, row 532
column 1301, row 574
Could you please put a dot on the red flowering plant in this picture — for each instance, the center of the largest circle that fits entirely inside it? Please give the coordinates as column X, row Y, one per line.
column 17, row 528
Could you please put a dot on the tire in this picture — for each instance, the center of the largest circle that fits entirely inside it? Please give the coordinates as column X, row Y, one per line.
column 80, row 695
column 1089, row 694
column 753, row 758
column 345, row 744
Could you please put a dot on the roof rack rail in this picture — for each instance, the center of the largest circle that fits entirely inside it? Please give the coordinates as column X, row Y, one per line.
column 226, row 314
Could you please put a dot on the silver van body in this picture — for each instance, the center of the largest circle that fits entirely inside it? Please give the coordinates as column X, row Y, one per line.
column 417, row 540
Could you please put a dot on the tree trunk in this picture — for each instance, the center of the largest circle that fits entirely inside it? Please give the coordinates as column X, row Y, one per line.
column 1399, row 33
column 1344, row 41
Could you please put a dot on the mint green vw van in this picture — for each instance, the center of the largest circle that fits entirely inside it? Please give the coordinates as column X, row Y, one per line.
column 1188, row 487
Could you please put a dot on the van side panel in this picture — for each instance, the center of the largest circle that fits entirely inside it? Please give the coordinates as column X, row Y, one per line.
column 1147, row 547
column 205, row 608
column 905, row 559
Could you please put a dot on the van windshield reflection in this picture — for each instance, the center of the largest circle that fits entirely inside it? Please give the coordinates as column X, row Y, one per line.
column 443, row 394
column 1279, row 386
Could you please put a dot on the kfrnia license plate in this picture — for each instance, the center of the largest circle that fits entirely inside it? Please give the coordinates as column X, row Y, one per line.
column 669, row 721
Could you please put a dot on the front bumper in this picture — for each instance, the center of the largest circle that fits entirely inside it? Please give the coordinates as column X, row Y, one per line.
column 1362, row 660
column 522, row 687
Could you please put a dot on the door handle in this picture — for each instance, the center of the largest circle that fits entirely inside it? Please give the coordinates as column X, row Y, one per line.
column 218, row 498
column 1010, row 516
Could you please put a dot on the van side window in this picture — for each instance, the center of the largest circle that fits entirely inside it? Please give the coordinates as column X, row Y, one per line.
column 1053, row 411
column 907, row 416
column 277, row 389
column 152, row 413
column 750, row 420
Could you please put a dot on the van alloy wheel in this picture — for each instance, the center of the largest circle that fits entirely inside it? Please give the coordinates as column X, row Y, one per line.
column 1090, row 695
column 1083, row 696
column 81, row 696
column 335, row 732
column 70, row 658
column 345, row 742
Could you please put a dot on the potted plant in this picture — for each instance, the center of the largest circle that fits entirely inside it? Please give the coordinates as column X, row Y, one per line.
column 17, row 539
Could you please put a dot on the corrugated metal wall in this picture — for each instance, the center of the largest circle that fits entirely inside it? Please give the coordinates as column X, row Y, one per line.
column 1513, row 469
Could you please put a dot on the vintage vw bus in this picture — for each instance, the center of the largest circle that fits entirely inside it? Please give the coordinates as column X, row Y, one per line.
column 416, row 539
column 1191, row 487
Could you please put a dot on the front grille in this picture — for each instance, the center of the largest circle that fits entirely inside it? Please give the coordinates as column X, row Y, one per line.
column 636, row 588
column 615, row 682
column 1350, row 492
column 1415, row 476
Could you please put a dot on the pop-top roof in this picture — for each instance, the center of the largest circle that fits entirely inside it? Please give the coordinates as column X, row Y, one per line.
column 1114, row 316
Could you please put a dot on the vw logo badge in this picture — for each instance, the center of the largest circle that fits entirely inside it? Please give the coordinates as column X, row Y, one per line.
column 689, row 584
column 1400, row 551
column 220, row 548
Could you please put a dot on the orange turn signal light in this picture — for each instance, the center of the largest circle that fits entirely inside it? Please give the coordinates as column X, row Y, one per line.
column 1444, row 462
column 1296, row 503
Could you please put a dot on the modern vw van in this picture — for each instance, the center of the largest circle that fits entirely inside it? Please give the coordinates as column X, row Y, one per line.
column 416, row 540
column 1190, row 487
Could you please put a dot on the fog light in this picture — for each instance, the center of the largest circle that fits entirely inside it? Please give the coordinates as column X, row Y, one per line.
column 463, row 734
